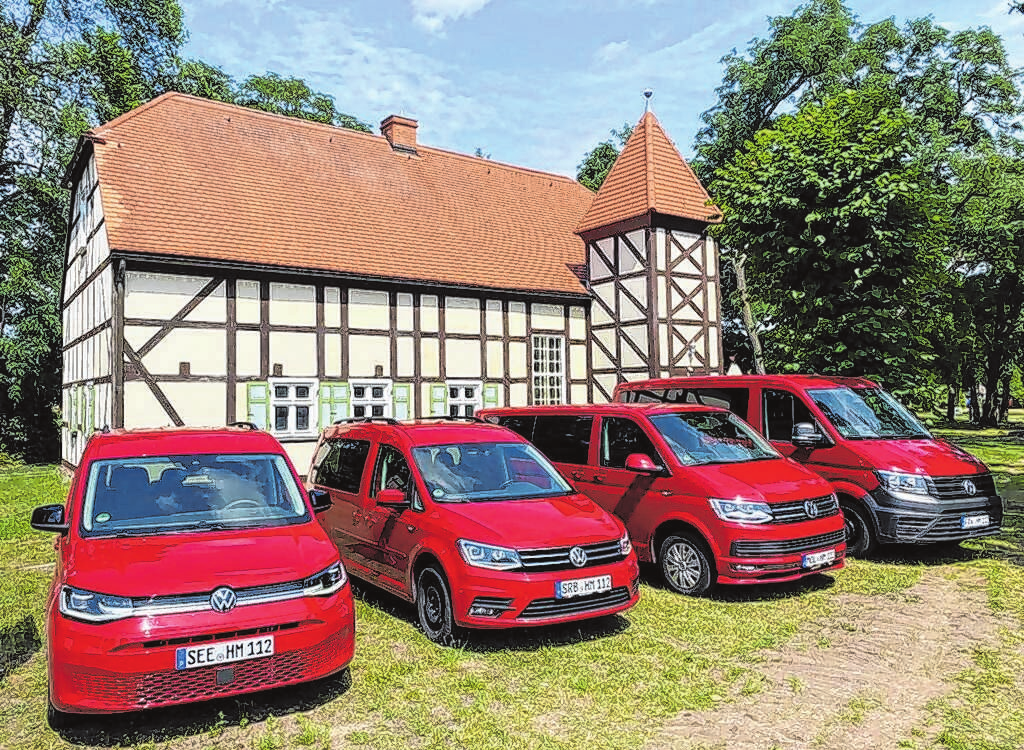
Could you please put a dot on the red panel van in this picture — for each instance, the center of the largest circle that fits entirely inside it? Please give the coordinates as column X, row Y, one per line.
column 701, row 493
column 895, row 481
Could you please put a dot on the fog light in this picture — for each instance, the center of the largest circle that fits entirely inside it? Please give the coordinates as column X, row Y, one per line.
column 478, row 611
column 745, row 568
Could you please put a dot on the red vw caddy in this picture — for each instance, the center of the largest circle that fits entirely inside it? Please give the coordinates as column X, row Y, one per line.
column 189, row 566
column 471, row 523
column 702, row 494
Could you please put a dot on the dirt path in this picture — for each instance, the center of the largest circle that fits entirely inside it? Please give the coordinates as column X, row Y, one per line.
column 858, row 681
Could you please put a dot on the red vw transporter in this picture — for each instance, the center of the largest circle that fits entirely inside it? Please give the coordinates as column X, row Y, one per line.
column 189, row 567
column 471, row 523
column 895, row 482
column 701, row 493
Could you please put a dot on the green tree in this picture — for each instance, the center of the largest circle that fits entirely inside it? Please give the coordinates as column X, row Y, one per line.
column 597, row 162
column 293, row 97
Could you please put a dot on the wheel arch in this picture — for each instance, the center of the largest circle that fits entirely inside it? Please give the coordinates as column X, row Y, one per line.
column 670, row 525
column 425, row 558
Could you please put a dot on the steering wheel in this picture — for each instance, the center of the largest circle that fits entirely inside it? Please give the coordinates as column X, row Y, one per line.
column 243, row 502
column 507, row 483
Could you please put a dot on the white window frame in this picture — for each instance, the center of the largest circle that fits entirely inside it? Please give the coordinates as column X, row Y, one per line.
column 540, row 367
column 461, row 401
column 291, row 402
column 387, row 401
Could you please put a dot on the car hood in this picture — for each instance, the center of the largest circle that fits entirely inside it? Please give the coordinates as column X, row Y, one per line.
column 774, row 481
column 538, row 522
column 198, row 562
column 936, row 458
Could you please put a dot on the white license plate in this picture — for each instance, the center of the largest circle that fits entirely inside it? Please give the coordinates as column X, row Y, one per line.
column 582, row 587
column 817, row 559
column 190, row 657
column 974, row 522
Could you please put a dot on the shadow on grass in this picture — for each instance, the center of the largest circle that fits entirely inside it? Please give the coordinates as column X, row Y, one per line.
column 164, row 724
column 755, row 592
column 529, row 638
column 17, row 644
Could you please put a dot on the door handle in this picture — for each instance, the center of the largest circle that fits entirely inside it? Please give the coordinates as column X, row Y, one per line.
column 599, row 478
column 357, row 516
column 577, row 475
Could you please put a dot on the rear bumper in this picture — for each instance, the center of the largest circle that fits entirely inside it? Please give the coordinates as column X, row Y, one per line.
column 898, row 521
column 128, row 665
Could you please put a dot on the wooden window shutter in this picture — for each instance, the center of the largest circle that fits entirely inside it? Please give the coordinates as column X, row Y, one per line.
column 92, row 409
column 258, row 404
column 438, row 400
column 490, row 395
column 400, row 398
column 334, row 400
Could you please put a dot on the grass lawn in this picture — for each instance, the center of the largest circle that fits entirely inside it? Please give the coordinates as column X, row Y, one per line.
column 610, row 684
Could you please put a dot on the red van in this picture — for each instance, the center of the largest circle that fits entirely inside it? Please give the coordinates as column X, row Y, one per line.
column 895, row 482
column 189, row 567
column 471, row 523
column 701, row 493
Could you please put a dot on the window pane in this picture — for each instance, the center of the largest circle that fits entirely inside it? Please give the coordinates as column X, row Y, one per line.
column 301, row 417
column 302, row 391
column 280, row 391
column 358, row 411
column 392, row 471
column 620, row 438
column 343, row 467
column 453, row 393
column 563, row 438
column 359, row 391
column 469, row 410
column 378, row 391
column 281, row 418
column 453, row 410
column 378, row 410
column 469, row 392
column 521, row 425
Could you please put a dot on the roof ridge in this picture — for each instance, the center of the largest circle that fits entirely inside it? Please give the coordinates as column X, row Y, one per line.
column 502, row 164
column 649, row 157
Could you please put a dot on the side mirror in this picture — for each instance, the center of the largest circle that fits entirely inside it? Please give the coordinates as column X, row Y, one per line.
column 321, row 500
column 392, row 499
column 641, row 463
column 806, row 435
column 50, row 518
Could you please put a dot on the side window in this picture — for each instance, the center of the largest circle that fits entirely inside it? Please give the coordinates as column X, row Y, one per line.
column 782, row 410
column 735, row 400
column 343, row 464
column 392, row 471
column 619, row 438
column 521, row 425
column 563, row 438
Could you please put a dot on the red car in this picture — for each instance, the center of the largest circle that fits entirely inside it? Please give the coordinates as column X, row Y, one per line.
column 471, row 523
column 701, row 493
column 189, row 566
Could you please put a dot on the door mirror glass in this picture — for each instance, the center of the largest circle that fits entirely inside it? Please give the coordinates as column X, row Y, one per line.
column 50, row 518
column 806, row 435
column 641, row 463
column 392, row 499
column 321, row 500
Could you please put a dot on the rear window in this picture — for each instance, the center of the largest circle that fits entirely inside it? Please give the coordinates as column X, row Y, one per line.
column 563, row 438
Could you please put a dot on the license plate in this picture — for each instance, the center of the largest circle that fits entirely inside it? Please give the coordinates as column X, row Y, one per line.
column 974, row 522
column 582, row 587
column 190, row 657
column 817, row 559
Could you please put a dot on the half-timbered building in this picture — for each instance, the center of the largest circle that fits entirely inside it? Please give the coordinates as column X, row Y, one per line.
column 225, row 264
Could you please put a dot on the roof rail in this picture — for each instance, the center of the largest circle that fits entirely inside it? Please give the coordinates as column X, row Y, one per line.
column 363, row 420
column 250, row 425
column 457, row 418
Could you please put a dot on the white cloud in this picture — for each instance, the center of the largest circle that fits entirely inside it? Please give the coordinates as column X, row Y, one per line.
column 611, row 51
column 432, row 15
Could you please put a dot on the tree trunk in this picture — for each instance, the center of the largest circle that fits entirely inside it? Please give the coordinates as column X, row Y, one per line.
column 748, row 315
column 1004, row 401
column 951, row 399
column 975, row 412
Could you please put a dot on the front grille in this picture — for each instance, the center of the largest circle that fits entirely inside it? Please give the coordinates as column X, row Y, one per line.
column 200, row 601
column 952, row 488
column 557, row 558
column 944, row 528
column 247, row 633
column 108, row 687
column 542, row 608
column 796, row 511
column 768, row 548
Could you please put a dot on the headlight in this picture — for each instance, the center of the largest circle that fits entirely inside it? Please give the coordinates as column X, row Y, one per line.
column 912, row 487
column 489, row 556
column 325, row 582
column 625, row 545
column 92, row 607
column 741, row 511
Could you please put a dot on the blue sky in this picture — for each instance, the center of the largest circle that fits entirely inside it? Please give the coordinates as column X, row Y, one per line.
column 532, row 82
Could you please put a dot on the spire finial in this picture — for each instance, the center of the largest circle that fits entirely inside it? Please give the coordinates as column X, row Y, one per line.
column 648, row 93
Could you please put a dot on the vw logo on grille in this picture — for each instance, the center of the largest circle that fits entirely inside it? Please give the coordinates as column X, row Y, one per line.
column 578, row 556
column 811, row 508
column 969, row 487
column 223, row 599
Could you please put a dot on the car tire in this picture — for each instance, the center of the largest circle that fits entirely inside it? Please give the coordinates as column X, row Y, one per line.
column 860, row 534
column 685, row 564
column 59, row 720
column 434, row 606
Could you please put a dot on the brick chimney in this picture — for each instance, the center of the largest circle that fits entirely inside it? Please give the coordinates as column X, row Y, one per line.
column 400, row 132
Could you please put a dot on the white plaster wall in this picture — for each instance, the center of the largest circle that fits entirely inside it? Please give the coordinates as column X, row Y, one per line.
column 204, row 350
column 577, row 361
column 608, row 383
column 332, row 354
column 462, row 358
column 301, row 455
column 406, row 356
column 247, row 353
column 628, row 260
column 495, row 325
column 213, row 309
column 295, row 352
column 578, row 394
column 404, row 314
column 517, row 365
column 430, row 358
column 159, row 295
column 368, row 309
column 365, row 353
column 198, row 404
column 247, row 301
column 332, row 307
column 598, row 268
column 628, row 311
column 578, row 323
column 495, row 359
column 518, row 394
column 292, row 304
column 428, row 313
column 141, row 409
column 461, row 315
column 517, row 318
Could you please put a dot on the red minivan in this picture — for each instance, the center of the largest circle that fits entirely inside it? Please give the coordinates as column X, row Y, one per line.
column 189, row 566
column 895, row 482
column 701, row 493
column 471, row 523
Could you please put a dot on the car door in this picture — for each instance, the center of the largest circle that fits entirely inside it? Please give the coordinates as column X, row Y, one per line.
column 780, row 410
column 394, row 531
column 338, row 469
column 565, row 440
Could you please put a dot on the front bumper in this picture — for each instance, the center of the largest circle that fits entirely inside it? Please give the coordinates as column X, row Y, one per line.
column 129, row 664
column 517, row 599
column 752, row 560
column 899, row 521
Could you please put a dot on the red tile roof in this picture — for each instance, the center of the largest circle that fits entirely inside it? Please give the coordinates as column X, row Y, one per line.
column 188, row 177
column 649, row 175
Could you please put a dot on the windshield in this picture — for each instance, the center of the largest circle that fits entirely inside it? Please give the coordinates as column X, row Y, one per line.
column 699, row 438
column 165, row 494
column 867, row 414
column 464, row 472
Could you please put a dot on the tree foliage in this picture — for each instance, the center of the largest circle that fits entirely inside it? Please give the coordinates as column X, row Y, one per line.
column 598, row 162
